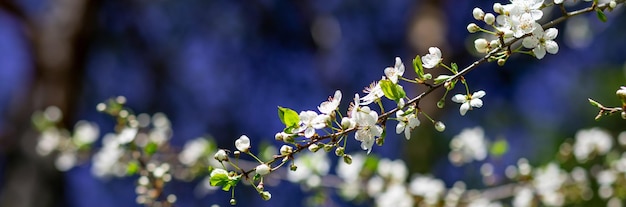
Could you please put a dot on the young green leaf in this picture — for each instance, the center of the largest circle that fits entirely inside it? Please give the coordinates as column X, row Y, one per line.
column 288, row 116
column 391, row 90
column 455, row 68
column 601, row 15
column 595, row 103
column 417, row 66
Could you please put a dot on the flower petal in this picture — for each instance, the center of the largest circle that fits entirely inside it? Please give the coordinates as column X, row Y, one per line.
column 552, row 47
column 539, row 52
column 309, row 132
column 551, row 33
column 407, row 133
column 530, row 42
column 478, row 94
column 400, row 127
column 459, row 98
column 464, row 108
column 477, row 103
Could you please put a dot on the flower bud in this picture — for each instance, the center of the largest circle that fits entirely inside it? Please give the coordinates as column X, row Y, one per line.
column 478, row 13
column 494, row 43
column 621, row 93
column 481, row 45
column 233, row 201
column 286, row 149
column 328, row 148
column 288, row 138
column 347, row 159
column 221, row 155
column 501, row 62
column 473, row 28
column 498, row 8
column 243, row 143
column 441, row 103
column 508, row 33
column 612, row 4
column 293, row 167
column 347, row 123
column 439, row 126
column 428, row 76
column 314, row 147
column 490, row 18
column 262, row 169
column 623, row 114
column 236, row 153
column 265, row 195
column 339, row 151
column 279, row 136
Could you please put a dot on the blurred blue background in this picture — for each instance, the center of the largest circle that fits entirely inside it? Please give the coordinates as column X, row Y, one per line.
column 222, row 67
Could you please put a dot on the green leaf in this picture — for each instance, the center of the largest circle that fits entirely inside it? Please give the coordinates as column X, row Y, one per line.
column 595, row 103
column 220, row 180
column 499, row 148
column 132, row 168
column 392, row 91
column 288, row 116
column 601, row 15
column 455, row 68
column 417, row 66
column 151, row 148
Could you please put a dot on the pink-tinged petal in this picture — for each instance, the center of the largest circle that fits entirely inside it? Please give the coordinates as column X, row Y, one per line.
column 552, row 47
column 476, row 103
column 464, row 108
column 539, row 52
column 459, row 98
column 478, row 94
column 551, row 33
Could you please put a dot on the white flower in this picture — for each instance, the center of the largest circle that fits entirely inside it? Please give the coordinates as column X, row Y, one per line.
column 429, row 188
column 397, row 70
column 433, row 58
column 367, row 129
column 374, row 92
column 478, row 14
column 328, row 107
column 558, row 1
column 481, row 45
column 541, row 42
column 48, row 141
column 243, row 143
column 490, row 18
column 395, row 195
column 286, row 149
column 192, row 151
column 86, row 132
column 530, row 7
column 65, row 161
column 525, row 24
column 262, row 169
column 468, row 102
column 406, row 123
column 127, row 135
column 548, row 182
column 523, row 198
column 469, row 145
column 394, row 171
column 591, row 140
column 311, row 167
column 221, row 155
column 309, row 121
column 350, row 172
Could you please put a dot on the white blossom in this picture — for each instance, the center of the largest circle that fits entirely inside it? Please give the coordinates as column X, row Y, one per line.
column 286, row 149
column 221, row 155
column 65, row 161
column 591, row 140
column 547, row 182
column 309, row 121
column 530, row 7
column 367, row 129
column 328, row 107
column 523, row 198
column 48, row 141
column 192, row 151
column 397, row 70
column 541, row 41
column 431, row 189
column 478, row 14
column 311, row 167
column 243, row 143
column 127, row 135
column 262, row 169
column 469, row 101
column 395, row 195
column 105, row 161
column 374, row 92
column 86, row 132
column 394, row 171
column 469, row 145
column 406, row 123
column 433, row 58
